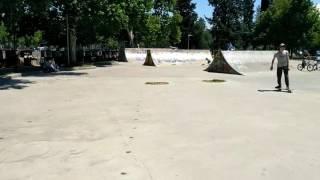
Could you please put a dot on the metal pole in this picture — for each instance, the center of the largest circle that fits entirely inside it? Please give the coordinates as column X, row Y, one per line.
column 68, row 46
column 188, row 41
column 189, row 35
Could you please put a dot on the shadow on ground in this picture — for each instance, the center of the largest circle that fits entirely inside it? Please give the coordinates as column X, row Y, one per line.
column 61, row 73
column 30, row 70
column 7, row 83
column 274, row 90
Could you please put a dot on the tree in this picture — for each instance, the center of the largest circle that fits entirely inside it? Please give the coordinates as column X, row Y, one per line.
column 265, row 4
column 22, row 18
column 3, row 34
column 226, row 22
column 201, row 38
column 247, row 23
column 289, row 21
column 189, row 17
column 11, row 13
column 175, row 30
column 232, row 22
column 161, row 27
column 151, row 32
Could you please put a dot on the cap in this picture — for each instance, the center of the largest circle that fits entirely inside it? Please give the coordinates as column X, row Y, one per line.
column 282, row 45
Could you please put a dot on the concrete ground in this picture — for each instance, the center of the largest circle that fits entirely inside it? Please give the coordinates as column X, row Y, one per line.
column 106, row 124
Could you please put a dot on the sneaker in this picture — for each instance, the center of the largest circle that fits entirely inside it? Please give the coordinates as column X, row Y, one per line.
column 288, row 89
column 278, row 87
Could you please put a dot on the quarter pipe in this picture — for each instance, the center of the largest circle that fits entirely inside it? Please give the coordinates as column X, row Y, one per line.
column 241, row 62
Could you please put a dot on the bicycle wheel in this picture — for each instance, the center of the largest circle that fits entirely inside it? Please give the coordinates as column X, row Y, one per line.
column 299, row 67
column 310, row 68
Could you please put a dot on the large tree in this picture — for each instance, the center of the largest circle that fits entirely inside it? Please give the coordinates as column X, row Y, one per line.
column 100, row 21
column 160, row 27
column 289, row 21
column 247, row 8
column 187, row 10
column 265, row 4
column 201, row 38
column 225, row 22
column 22, row 17
column 232, row 22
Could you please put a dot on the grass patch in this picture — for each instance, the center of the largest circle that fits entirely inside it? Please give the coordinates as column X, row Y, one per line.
column 214, row 81
column 156, row 83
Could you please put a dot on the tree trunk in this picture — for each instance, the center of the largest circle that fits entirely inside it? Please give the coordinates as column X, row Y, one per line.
column 131, row 36
column 73, row 46
column 122, row 54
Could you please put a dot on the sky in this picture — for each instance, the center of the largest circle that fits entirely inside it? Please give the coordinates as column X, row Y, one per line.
column 204, row 10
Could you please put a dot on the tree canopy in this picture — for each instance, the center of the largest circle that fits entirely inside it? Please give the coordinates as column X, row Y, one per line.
column 295, row 22
column 158, row 23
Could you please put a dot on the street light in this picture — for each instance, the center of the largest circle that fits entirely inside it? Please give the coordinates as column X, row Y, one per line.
column 189, row 35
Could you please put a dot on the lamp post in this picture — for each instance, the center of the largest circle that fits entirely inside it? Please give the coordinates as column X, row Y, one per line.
column 189, row 35
column 68, row 40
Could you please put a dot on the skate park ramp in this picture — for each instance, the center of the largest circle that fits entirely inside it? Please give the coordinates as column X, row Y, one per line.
column 241, row 62
column 168, row 56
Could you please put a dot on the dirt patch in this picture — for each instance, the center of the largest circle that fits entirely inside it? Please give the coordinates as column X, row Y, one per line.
column 214, row 81
column 156, row 83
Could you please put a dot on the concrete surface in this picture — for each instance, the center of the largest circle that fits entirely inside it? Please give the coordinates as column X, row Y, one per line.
column 106, row 124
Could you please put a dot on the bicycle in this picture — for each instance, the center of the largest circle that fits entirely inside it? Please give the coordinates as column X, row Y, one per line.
column 304, row 65
column 313, row 67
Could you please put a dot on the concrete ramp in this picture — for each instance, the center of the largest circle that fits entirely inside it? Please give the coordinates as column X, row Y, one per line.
column 168, row 56
column 241, row 62
column 149, row 60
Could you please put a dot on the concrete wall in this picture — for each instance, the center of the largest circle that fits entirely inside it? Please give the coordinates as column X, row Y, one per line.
column 168, row 56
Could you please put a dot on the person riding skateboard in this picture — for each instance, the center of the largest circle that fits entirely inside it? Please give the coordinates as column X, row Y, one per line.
column 283, row 65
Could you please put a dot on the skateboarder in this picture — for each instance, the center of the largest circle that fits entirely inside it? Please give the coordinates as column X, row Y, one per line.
column 283, row 65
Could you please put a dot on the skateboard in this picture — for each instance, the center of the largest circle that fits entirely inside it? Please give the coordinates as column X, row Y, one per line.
column 277, row 90
column 284, row 90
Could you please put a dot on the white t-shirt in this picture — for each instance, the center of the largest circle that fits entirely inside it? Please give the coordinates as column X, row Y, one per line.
column 283, row 58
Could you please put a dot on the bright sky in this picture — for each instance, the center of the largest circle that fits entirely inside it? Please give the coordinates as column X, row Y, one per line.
column 204, row 10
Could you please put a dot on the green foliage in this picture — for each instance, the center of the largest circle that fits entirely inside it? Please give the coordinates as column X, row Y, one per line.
column 160, row 28
column 232, row 22
column 37, row 38
column 201, row 38
column 175, row 31
column 30, row 41
column 314, row 36
column 158, row 23
column 265, row 4
column 22, row 18
column 151, row 32
column 291, row 21
column 152, row 22
column 112, row 43
column 189, row 18
column 3, row 34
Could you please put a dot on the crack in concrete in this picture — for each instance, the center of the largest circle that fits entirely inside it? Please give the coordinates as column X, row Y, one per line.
column 134, row 155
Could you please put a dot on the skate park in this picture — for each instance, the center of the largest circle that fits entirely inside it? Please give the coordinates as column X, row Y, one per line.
column 186, row 129
column 159, row 90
